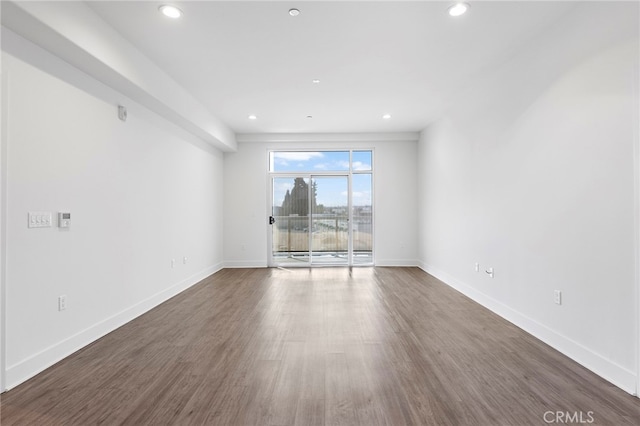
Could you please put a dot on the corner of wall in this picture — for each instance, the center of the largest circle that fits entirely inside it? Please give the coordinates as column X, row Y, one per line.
column 3, row 220
column 636, row 158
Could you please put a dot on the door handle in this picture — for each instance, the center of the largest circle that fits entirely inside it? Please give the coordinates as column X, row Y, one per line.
column 272, row 220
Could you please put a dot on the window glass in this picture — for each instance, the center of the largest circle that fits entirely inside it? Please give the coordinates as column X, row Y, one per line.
column 362, row 161
column 309, row 161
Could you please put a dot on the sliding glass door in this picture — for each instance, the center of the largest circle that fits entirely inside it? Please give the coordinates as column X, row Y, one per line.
column 304, row 230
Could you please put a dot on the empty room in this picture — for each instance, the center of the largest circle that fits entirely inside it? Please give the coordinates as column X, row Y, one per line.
column 320, row 213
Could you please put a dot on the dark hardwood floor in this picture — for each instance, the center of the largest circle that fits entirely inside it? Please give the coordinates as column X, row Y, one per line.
column 327, row 346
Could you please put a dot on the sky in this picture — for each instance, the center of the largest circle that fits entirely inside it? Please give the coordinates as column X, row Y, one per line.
column 331, row 190
column 319, row 161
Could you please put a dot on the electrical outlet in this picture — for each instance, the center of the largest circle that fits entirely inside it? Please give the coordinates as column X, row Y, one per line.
column 557, row 297
column 489, row 272
column 477, row 267
column 173, row 263
column 62, row 302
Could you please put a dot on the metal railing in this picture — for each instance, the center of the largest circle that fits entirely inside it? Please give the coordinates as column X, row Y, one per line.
column 329, row 233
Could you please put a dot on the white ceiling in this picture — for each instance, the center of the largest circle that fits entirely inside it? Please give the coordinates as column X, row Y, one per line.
column 408, row 59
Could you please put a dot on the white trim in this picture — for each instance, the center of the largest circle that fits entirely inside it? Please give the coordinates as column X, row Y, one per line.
column 374, row 204
column 636, row 170
column 24, row 370
column 328, row 137
column 4, row 115
column 232, row 264
column 616, row 374
column 396, row 262
column 350, row 209
column 269, row 210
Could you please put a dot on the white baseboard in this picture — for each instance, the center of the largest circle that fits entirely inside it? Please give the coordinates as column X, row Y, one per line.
column 396, row 262
column 608, row 370
column 245, row 264
column 24, row 370
column 261, row 263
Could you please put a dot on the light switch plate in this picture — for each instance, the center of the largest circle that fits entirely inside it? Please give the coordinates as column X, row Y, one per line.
column 40, row 220
column 557, row 297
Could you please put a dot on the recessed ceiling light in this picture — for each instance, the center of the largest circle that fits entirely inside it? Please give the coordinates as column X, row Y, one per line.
column 386, row 116
column 315, row 81
column 253, row 117
column 170, row 11
column 294, row 12
column 458, row 9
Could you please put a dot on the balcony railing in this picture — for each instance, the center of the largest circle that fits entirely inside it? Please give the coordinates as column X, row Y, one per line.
column 329, row 233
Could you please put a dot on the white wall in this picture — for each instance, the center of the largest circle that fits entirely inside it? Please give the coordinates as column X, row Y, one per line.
column 395, row 204
column 141, row 192
column 533, row 175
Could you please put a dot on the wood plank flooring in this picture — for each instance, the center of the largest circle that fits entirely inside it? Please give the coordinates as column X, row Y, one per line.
column 327, row 346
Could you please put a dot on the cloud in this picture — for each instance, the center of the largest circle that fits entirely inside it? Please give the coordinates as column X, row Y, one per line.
column 359, row 165
column 296, row 156
column 336, row 166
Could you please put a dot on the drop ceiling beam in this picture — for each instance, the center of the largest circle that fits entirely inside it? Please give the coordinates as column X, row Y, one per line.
column 75, row 33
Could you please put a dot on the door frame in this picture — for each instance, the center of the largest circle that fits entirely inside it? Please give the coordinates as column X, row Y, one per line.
column 349, row 174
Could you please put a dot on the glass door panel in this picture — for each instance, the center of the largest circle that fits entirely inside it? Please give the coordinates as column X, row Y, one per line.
column 329, row 220
column 290, row 220
column 362, row 218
